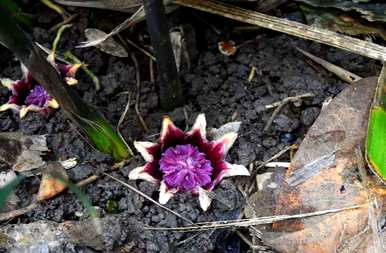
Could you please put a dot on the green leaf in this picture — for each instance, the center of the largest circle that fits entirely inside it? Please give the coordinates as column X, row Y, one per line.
column 104, row 137
column 376, row 131
column 376, row 141
column 17, row 12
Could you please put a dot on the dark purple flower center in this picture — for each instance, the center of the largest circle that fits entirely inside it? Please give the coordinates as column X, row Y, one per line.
column 20, row 91
column 185, row 167
column 38, row 96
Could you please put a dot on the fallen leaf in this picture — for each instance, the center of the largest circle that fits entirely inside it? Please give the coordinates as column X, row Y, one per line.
column 109, row 46
column 22, row 152
column 322, row 176
column 53, row 182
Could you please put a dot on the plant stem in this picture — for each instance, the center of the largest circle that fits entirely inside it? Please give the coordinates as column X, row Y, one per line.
column 170, row 86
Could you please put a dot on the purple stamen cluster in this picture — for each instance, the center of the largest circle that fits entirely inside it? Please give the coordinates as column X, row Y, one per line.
column 38, row 96
column 185, row 167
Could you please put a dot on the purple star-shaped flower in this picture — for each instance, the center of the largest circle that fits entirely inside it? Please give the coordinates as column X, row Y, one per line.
column 27, row 95
column 187, row 162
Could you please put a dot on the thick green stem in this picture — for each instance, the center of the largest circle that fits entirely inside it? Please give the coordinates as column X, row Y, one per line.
column 170, row 86
column 95, row 126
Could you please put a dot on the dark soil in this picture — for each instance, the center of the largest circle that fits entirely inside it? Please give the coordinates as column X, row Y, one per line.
column 216, row 85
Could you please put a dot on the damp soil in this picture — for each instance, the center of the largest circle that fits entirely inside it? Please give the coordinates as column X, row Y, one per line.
column 215, row 84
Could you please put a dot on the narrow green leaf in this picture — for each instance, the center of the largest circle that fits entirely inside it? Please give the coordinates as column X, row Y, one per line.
column 83, row 198
column 104, row 137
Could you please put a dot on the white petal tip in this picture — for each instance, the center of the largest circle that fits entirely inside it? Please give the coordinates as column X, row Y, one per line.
column 200, row 124
column 23, row 111
column 164, row 194
column 26, row 109
column 53, row 104
column 204, row 199
column 166, row 123
column 141, row 147
column 228, row 140
column 8, row 83
column 71, row 81
column 7, row 106
column 236, row 170
column 140, row 173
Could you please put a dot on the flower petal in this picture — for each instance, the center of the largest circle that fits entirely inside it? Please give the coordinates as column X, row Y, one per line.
column 197, row 135
column 204, row 198
column 230, row 171
column 170, row 134
column 70, row 80
column 9, row 106
column 217, row 133
column 165, row 194
column 53, row 104
column 68, row 70
column 51, row 58
column 72, row 69
column 22, row 112
column 144, row 147
column 141, row 173
column 199, row 125
column 227, row 141
column 8, row 83
column 217, row 150
column 31, row 108
column 236, row 170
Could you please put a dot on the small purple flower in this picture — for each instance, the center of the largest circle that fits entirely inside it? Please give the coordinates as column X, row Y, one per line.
column 27, row 95
column 186, row 162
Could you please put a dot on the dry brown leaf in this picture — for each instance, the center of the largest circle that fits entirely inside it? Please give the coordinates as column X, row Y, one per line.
column 324, row 175
column 53, row 181
column 109, row 45
column 22, row 152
